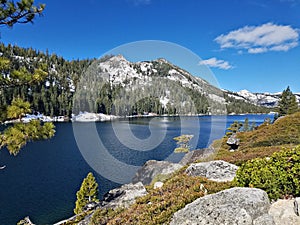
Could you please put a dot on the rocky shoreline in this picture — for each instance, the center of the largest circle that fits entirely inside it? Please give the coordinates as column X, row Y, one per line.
column 247, row 206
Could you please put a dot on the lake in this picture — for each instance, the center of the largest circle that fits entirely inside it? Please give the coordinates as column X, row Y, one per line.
column 42, row 180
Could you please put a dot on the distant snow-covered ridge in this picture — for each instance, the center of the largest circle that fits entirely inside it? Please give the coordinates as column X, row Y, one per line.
column 262, row 99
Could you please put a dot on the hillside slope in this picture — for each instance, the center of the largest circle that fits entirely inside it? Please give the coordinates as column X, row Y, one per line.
column 262, row 142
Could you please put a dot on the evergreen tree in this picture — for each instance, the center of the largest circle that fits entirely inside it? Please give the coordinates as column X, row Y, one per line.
column 288, row 103
column 23, row 11
column 246, row 126
column 87, row 193
column 234, row 128
column 17, row 109
column 253, row 125
column 15, row 79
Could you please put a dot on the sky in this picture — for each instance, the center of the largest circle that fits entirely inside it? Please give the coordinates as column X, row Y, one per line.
column 246, row 44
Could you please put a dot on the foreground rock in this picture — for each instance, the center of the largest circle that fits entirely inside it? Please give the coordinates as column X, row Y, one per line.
column 124, row 196
column 283, row 212
column 152, row 168
column 218, row 170
column 236, row 206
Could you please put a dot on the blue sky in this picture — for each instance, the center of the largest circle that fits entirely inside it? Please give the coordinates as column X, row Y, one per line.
column 248, row 44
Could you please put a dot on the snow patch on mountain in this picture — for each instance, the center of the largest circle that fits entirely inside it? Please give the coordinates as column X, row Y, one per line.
column 262, row 99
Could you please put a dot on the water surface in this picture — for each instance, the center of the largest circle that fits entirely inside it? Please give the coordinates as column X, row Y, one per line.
column 42, row 180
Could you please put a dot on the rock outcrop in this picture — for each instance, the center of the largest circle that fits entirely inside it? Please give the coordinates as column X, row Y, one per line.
column 123, row 196
column 152, row 168
column 233, row 142
column 195, row 155
column 218, row 170
column 158, row 184
column 283, row 212
column 235, row 206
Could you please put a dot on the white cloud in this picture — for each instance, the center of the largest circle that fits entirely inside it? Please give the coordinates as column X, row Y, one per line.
column 257, row 50
column 259, row 39
column 217, row 63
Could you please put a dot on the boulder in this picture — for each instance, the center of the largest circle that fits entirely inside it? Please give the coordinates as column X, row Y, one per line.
column 233, row 142
column 235, row 206
column 158, row 185
column 218, row 170
column 283, row 212
column 152, row 168
column 195, row 155
column 124, row 196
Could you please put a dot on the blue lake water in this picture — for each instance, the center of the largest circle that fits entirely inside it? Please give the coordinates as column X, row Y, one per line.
column 42, row 180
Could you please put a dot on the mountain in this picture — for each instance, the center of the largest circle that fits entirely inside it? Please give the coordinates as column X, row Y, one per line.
column 113, row 85
column 260, row 99
column 156, row 86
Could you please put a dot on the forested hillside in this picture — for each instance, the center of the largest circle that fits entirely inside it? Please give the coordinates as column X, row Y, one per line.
column 125, row 88
column 53, row 96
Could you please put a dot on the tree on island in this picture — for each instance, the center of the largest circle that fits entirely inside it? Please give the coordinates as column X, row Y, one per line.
column 183, row 143
column 16, row 136
column 288, row 103
column 87, row 193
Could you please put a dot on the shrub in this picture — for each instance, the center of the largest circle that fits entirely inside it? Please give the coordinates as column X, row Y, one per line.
column 160, row 204
column 278, row 175
column 102, row 216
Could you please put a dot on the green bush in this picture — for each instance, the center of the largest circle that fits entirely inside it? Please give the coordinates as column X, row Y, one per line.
column 278, row 175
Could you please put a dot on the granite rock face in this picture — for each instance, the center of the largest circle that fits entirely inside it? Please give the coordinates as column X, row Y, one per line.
column 218, row 170
column 124, row 196
column 235, row 206
column 152, row 168
column 283, row 212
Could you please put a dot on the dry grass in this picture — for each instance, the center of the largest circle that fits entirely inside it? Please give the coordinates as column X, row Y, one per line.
column 263, row 141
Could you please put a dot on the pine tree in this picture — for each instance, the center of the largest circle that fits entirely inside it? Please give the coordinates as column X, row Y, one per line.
column 87, row 193
column 17, row 109
column 23, row 11
column 18, row 77
column 246, row 126
column 234, row 128
column 287, row 103
column 253, row 125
